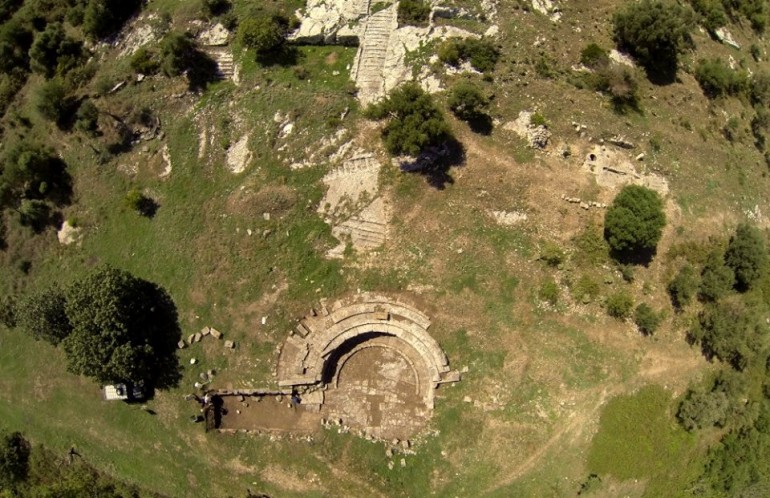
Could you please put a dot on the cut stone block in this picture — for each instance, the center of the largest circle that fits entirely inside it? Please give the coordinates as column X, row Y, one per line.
column 181, row 344
column 205, row 331
column 190, row 339
column 230, row 344
column 197, row 337
column 215, row 333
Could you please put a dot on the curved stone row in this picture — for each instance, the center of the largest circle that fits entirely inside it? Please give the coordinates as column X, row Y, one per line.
column 306, row 354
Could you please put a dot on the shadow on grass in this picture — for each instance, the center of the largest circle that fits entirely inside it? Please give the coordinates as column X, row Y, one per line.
column 434, row 163
column 284, row 56
column 481, row 124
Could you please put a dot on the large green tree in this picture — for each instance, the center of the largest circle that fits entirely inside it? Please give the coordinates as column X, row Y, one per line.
column 634, row 222
column 53, row 52
column 124, row 329
column 655, row 32
column 414, row 121
column 746, row 255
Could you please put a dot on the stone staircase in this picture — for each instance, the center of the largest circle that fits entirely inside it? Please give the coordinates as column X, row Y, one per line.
column 365, row 234
column 371, row 55
column 224, row 59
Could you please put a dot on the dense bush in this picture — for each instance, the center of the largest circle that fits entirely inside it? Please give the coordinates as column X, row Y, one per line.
column 413, row 12
column 683, row 287
column 646, row 319
column 55, row 53
column 746, row 255
column 552, row 254
column 8, row 7
column 634, row 222
column 731, row 332
column 15, row 42
column 34, row 213
column 549, row 291
column 32, row 171
column 414, row 121
column 482, row 54
column 711, row 12
column 144, row 61
column 716, row 278
column 263, row 33
column 8, row 311
column 51, row 101
column 717, row 79
column 14, row 460
column 467, row 101
column 585, row 289
column 42, row 316
column 620, row 304
column 87, row 118
column 701, row 409
column 655, row 32
column 759, row 88
column 103, row 18
column 177, row 53
column 595, row 57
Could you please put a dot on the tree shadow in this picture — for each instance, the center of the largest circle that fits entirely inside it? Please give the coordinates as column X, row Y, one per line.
column 284, row 56
column 481, row 124
column 156, row 324
column 147, row 207
column 435, row 161
column 662, row 72
column 639, row 257
column 202, row 71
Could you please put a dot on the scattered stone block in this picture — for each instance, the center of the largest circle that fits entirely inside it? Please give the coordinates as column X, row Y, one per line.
column 215, row 333
column 197, row 337
column 388, row 452
column 205, row 331
column 181, row 344
column 193, row 361
column 403, row 462
column 230, row 344
column 190, row 338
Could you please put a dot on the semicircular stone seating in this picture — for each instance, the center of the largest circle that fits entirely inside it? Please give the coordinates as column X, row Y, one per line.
column 320, row 338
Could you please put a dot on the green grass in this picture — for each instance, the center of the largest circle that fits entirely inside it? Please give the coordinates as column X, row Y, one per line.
column 639, row 439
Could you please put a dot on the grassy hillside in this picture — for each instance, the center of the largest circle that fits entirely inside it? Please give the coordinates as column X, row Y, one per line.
column 559, row 398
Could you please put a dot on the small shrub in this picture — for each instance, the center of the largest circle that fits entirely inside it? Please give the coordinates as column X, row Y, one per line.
column 537, row 119
column 731, row 332
column 759, row 88
column 717, row 79
column 716, row 278
column 42, row 316
column 413, row 12
column 586, row 289
column 619, row 305
column 549, row 292
column 746, row 255
column 51, row 100
column 263, row 33
column 595, row 57
column 683, row 287
column 591, row 246
column 482, row 54
column 552, row 254
column 86, row 119
column 137, row 201
column 756, row 52
column 627, row 272
column 144, row 61
column 646, row 319
column 8, row 311
column 177, row 51
column 35, row 214
column 732, row 129
column 467, row 101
